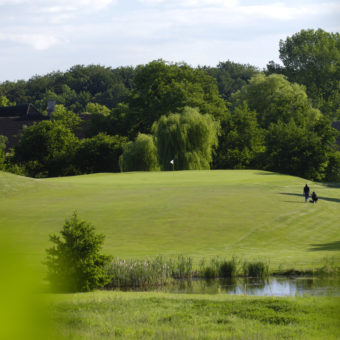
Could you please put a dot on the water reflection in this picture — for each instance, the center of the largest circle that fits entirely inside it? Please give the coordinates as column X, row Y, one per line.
column 274, row 286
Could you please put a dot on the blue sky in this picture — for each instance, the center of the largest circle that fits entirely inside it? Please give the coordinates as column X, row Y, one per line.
column 41, row 36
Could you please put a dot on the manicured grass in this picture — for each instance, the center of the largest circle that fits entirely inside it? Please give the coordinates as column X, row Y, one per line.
column 120, row 315
column 250, row 214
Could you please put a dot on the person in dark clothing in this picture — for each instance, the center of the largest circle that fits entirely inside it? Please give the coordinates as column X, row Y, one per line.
column 314, row 197
column 306, row 192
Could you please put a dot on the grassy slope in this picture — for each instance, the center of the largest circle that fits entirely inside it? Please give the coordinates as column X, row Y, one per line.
column 200, row 213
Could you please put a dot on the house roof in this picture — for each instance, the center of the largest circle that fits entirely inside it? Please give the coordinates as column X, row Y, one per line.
column 23, row 110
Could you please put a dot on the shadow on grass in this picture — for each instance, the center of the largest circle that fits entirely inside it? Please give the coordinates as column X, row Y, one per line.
column 329, row 199
column 332, row 184
column 325, row 246
column 269, row 173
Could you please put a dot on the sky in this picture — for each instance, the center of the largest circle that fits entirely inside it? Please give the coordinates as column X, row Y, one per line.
column 42, row 36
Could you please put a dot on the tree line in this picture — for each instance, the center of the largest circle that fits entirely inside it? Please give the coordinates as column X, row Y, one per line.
column 229, row 116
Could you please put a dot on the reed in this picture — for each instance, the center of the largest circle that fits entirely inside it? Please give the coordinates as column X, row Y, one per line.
column 138, row 273
column 258, row 269
column 219, row 268
column 182, row 267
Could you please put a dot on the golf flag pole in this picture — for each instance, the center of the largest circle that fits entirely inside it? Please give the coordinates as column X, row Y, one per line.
column 173, row 166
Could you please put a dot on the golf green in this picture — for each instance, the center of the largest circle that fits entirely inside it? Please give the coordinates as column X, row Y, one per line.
column 247, row 213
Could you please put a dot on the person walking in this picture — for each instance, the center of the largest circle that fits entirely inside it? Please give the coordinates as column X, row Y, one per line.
column 306, row 192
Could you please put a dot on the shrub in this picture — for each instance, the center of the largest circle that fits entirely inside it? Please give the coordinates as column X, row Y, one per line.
column 140, row 155
column 74, row 263
column 99, row 153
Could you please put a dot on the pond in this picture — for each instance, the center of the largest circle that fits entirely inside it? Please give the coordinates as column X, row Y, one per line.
column 273, row 286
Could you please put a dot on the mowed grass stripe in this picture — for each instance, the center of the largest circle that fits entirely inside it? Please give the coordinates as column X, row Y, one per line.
column 250, row 214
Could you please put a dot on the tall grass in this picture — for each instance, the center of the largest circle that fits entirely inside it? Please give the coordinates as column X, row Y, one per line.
column 138, row 273
column 182, row 267
column 160, row 270
column 148, row 272
column 219, row 267
column 258, row 269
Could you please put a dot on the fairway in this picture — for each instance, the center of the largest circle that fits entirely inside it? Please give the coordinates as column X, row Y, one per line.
column 248, row 213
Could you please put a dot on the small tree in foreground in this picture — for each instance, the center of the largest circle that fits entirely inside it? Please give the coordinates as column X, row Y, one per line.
column 74, row 262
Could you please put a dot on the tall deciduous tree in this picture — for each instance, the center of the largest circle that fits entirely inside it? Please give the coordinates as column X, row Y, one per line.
column 47, row 149
column 275, row 99
column 99, row 153
column 162, row 88
column 241, row 141
column 187, row 138
column 295, row 150
column 312, row 58
column 231, row 77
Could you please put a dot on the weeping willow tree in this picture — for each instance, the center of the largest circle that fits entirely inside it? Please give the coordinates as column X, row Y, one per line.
column 187, row 138
column 139, row 155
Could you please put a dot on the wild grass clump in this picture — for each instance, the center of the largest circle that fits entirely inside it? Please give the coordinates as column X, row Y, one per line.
column 160, row 271
column 139, row 273
column 330, row 267
column 258, row 269
column 181, row 267
column 218, row 267
column 148, row 272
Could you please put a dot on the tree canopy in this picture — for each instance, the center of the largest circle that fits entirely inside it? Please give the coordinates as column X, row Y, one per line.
column 275, row 99
column 47, row 149
column 187, row 138
column 241, row 141
column 312, row 58
column 162, row 88
column 140, row 155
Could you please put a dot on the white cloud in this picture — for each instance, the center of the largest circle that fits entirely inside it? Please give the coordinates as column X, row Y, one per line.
column 37, row 41
column 120, row 32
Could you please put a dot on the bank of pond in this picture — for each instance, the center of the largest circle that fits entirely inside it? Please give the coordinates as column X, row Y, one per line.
column 219, row 275
column 271, row 286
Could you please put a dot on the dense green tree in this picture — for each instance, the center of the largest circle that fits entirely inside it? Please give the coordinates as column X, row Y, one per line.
column 68, row 118
column 73, row 88
column 295, row 150
column 99, row 154
column 139, row 155
column 162, row 88
column 231, row 77
column 332, row 173
column 5, row 101
column 312, row 58
column 275, row 99
column 241, row 141
column 187, row 138
column 3, row 141
column 95, row 108
column 47, row 149
column 75, row 262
